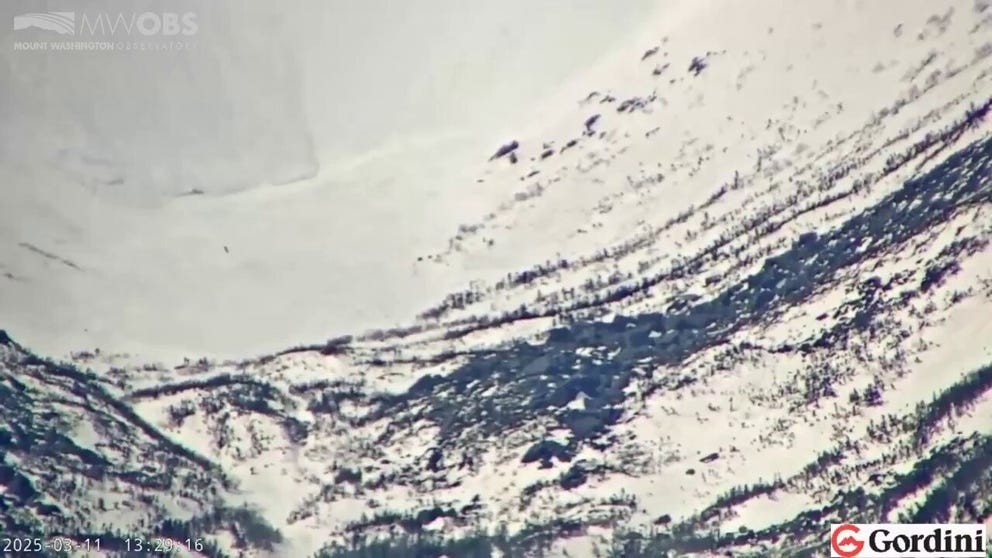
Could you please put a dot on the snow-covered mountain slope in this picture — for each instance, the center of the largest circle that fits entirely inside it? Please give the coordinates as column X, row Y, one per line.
column 148, row 194
column 78, row 461
column 736, row 284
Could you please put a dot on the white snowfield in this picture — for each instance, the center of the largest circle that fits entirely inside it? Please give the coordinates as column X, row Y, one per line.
column 332, row 144
column 685, row 166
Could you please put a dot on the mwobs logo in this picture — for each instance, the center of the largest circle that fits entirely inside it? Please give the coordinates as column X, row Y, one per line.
column 962, row 540
column 145, row 24
column 106, row 31
column 106, row 25
column 63, row 23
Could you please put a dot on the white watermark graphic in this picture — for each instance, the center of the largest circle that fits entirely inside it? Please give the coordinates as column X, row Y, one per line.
column 63, row 23
column 104, row 31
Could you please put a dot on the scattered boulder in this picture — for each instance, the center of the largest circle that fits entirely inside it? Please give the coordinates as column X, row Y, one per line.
column 506, row 149
column 660, row 69
column 427, row 516
column 346, row 475
column 663, row 519
column 426, row 384
column 710, row 458
column 571, row 143
column 21, row 489
column 546, row 451
column 575, row 477
column 474, row 506
column 697, row 65
column 435, row 459
column 934, row 276
column 590, row 122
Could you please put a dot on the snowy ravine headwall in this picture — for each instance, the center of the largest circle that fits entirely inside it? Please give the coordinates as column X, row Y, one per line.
column 301, row 128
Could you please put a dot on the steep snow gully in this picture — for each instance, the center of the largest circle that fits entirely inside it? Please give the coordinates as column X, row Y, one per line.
column 674, row 278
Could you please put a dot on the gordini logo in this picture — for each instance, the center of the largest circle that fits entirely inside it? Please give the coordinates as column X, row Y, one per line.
column 908, row 540
column 844, row 542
